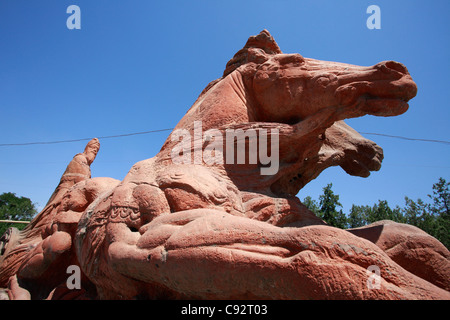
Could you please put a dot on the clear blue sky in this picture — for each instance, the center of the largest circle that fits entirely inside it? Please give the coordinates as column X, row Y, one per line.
column 139, row 65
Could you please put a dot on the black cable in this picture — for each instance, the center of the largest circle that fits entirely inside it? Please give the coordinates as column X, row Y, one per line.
column 405, row 138
column 82, row 139
column 161, row 130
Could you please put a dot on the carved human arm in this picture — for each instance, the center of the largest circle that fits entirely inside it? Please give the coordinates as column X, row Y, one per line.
column 210, row 254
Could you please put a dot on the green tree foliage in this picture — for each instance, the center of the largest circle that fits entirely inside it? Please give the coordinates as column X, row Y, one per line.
column 433, row 218
column 312, row 205
column 441, row 198
column 328, row 202
column 440, row 210
column 358, row 216
column 418, row 213
column 326, row 209
column 382, row 211
column 15, row 208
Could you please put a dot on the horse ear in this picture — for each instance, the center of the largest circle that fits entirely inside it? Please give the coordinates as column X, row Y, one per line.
column 264, row 41
column 257, row 56
column 257, row 49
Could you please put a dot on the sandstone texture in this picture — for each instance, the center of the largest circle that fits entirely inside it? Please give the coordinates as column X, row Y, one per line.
column 202, row 229
column 411, row 248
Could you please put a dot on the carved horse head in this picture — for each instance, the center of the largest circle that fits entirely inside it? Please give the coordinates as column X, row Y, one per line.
column 305, row 100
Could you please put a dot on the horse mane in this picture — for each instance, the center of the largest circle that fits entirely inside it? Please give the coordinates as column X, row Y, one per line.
column 256, row 50
column 263, row 42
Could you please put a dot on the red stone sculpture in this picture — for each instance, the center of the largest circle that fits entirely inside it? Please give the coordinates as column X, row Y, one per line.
column 203, row 229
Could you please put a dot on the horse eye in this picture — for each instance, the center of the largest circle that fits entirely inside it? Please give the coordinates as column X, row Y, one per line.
column 298, row 58
column 290, row 59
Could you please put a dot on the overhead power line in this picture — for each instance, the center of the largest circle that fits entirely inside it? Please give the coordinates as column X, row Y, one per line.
column 405, row 138
column 82, row 139
column 169, row 129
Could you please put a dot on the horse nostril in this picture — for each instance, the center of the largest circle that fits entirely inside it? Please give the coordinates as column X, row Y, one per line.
column 392, row 65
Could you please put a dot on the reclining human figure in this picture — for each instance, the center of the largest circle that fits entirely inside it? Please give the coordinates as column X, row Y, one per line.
column 224, row 230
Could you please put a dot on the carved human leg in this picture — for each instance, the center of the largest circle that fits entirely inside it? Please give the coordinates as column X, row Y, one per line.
column 213, row 255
